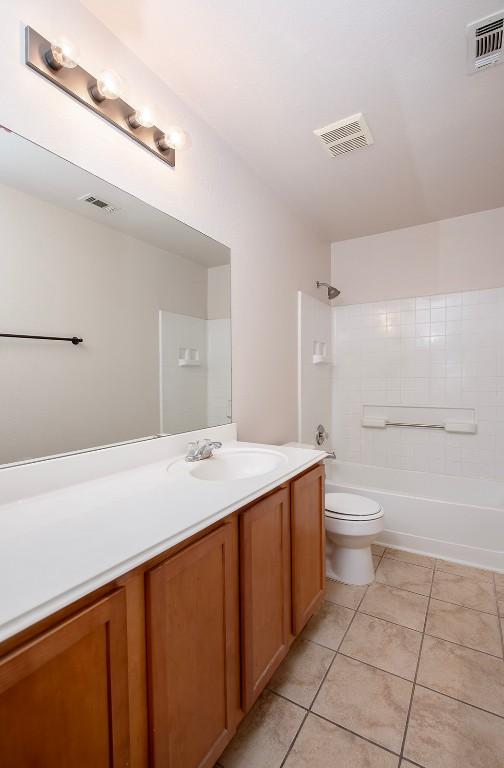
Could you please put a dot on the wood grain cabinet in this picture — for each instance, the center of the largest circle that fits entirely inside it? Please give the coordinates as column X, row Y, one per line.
column 64, row 695
column 156, row 669
column 192, row 650
column 308, row 545
column 264, row 591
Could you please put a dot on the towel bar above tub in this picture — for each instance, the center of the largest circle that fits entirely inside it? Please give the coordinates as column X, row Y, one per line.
column 467, row 427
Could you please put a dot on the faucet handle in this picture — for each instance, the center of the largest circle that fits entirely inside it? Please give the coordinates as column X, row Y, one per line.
column 192, row 448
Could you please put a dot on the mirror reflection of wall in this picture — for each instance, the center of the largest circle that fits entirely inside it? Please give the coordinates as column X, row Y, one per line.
column 119, row 277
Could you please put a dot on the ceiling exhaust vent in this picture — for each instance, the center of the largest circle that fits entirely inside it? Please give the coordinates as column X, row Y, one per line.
column 345, row 135
column 107, row 207
column 484, row 42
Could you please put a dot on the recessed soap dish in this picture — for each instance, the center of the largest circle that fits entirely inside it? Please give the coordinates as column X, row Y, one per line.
column 320, row 356
column 188, row 356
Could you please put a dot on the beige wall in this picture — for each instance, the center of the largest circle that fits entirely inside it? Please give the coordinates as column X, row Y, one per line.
column 219, row 292
column 273, row 252
column 460, row 254
column 66, row 275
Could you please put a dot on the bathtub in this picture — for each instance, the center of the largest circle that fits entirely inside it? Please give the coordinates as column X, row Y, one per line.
column 456, row 518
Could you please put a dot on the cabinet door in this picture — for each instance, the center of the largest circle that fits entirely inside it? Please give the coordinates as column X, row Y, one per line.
column 265, row 591
column 64, row 695
column 308, row 546
column 191, row 617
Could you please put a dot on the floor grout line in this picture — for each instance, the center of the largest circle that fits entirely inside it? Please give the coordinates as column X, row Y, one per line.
column 406, row 726
column 500, row 623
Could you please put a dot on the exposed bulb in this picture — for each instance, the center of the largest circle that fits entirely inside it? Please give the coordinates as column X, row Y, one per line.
column 145, row 117
column 109, row 85
column 63, row 53
column 173, row 138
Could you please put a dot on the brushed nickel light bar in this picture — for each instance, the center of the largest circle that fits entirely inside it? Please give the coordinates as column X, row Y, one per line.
column 57, row 63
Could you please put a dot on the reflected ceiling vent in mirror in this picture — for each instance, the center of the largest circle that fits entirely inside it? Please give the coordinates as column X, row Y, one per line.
column 345, row 135
column 104, row 206
column 484, row 42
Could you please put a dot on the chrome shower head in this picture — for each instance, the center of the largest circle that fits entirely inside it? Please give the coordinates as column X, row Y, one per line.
column 332, row 292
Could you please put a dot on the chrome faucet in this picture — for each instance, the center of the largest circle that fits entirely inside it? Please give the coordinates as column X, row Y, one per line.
column 201, row 449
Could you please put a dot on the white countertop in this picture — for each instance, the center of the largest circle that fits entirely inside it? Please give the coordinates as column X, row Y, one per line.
column 57, row 546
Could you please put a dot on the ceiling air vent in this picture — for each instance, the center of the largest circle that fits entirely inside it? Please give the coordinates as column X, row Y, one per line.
column 107, row 207
column 484, row 42
column 345, row 135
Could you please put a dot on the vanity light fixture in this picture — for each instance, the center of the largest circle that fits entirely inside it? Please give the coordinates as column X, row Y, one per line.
column 58, row 63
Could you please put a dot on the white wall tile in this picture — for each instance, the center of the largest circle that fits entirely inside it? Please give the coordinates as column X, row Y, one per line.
column 439, row 351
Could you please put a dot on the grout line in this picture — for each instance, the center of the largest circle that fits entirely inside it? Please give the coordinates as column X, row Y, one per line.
column 416, row 673
column 500, row 623
column 468, row 647
column 459, row 701
column 406, row 562
column 358, row 735
column 461, row 605
column 389, row 621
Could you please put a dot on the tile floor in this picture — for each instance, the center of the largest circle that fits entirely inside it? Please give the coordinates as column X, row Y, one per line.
column 406, row 672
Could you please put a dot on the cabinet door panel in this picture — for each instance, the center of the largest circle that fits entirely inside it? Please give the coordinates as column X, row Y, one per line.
column 64, row 695
column 265, row 591
column 308, row 546
column 191, row 615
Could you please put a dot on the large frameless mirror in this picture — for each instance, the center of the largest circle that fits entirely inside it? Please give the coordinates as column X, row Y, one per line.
column 115, row 319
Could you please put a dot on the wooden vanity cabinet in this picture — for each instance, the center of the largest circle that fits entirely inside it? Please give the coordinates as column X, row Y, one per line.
column 308, row 545
column 265, row 555
column 192, row 652
column 64, row 695
column 156, row 669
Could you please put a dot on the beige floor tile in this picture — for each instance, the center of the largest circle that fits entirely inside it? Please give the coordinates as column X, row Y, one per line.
column 463, row 591
column 395, row 605
column 468, row 675
column 404, row 575
column 347, row 595
column 329, row 625
column 500, row 607
column 384, row 645
column 323, row 745
column 265, row 735
column 376, row 561
column 367, row 701
column 301, row 673
column 479, row 574
column 377, row 549
column 473, row 629
column 499, row 581
column 443, row 733
column 410, row 557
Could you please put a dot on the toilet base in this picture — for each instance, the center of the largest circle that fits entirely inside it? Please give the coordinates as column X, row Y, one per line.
column 350, row 565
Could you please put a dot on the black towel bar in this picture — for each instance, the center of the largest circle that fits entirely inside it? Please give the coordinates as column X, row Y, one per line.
column 73, row 339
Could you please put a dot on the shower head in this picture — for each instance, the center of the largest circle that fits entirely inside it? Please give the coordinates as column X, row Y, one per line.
column 332, row 292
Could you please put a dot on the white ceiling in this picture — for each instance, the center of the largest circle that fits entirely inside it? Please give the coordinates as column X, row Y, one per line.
column 36, row 171
column 265, row 74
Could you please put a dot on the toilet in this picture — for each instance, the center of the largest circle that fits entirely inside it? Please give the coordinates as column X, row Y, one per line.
column 352, row 523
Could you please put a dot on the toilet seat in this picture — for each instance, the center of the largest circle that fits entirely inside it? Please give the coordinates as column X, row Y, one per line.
column 350, row 506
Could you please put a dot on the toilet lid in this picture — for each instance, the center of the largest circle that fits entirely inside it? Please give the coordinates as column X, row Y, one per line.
column 350, row 506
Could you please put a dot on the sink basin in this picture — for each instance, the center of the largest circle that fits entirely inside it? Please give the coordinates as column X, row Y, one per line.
column 237, row 465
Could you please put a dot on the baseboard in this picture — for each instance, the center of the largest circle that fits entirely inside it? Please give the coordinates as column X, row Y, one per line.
column 488, row 559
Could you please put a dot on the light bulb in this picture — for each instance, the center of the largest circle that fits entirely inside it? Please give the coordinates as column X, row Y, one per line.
column 63, row 53
column 145, row 117
column 173, row 138
column 109, row 85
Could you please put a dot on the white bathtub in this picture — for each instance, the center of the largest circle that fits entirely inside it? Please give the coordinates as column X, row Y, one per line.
column 456, row 518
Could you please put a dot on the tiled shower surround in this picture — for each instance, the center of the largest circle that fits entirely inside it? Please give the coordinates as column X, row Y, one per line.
column 442, row 351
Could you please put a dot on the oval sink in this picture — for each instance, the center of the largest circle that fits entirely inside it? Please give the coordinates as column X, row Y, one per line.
column 237, row 465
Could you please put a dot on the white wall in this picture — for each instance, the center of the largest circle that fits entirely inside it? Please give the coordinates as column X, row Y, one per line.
column 442, row 351
column 63, row 274
column 273, row 253
column 460, row 254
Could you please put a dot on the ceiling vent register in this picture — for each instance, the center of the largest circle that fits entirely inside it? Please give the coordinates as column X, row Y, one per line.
column 107, row 207
column 345, row 135
column 484, row 42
